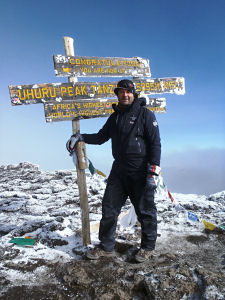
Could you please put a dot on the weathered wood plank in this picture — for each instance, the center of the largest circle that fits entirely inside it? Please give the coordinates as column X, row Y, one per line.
column 82, row 161
column 76, row 110
column 173, row 85
column 83, row 66
column 60, row 92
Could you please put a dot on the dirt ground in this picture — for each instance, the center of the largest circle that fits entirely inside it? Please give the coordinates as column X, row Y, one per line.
column 185, row 267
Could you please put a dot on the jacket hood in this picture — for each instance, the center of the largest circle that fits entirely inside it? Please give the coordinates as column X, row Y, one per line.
column 142, row 101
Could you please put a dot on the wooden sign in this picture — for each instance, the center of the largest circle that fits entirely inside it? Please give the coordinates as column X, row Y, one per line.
column 60, row 92
column 76, row 110
column 82, row 66
column 173, row 85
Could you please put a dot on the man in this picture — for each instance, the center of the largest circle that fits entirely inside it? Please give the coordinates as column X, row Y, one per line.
column 136, row 149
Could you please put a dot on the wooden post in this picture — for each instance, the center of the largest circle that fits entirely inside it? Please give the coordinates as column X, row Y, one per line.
column 82, row 161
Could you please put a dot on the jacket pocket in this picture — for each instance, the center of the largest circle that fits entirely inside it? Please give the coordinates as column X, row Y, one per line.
column 136, row 146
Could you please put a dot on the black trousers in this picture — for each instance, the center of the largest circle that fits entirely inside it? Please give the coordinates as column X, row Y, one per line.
column 120, row 185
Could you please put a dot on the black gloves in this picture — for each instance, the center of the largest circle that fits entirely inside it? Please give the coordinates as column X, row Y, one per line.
column 71, row 143
column 152, row 176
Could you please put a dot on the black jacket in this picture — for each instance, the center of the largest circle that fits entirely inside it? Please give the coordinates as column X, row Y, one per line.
column 134, row 134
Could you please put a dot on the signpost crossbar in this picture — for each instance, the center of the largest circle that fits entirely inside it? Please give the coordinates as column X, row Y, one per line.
column 59, row 92
column 76, row 110
column 82, row 66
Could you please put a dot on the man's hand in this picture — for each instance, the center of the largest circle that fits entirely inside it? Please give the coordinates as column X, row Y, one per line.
column 152, row 176
column 72, row 142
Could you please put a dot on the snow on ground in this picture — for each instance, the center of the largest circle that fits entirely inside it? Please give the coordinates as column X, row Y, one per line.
column 45, row 206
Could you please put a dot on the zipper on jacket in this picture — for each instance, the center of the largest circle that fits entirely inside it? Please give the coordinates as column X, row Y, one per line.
column 139, row 145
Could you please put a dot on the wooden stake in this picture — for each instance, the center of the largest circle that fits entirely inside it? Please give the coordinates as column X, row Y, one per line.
column 82, row 160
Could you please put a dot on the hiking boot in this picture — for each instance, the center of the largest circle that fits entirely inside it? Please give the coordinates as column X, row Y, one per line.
column 143, row 255
column 96, row 253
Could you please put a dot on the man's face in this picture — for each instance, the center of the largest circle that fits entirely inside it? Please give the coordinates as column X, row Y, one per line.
column 125, row 97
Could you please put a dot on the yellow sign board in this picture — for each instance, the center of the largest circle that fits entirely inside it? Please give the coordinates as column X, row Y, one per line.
column 83, row 66
column 75, row 110
column 60, row 92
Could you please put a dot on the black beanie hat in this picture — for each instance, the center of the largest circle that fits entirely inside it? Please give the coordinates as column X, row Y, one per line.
column 125, row 84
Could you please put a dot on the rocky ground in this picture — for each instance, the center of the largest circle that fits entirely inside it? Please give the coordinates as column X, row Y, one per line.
column 189, row 261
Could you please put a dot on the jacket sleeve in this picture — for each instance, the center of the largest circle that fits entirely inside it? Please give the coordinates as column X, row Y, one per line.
column 152, row 139
column 102, row 136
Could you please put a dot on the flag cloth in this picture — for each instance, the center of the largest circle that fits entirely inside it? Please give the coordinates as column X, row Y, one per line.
column 221, row 227
column 93, row 170
column 74, row 157
column 178, row 207
column 129, row 219
column 23, row 241
column 192, row 217
column 171, row 197
column 100, row 173
column 208, row 225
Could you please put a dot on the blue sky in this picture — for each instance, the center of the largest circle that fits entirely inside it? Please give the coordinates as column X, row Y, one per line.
column 180, row 38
